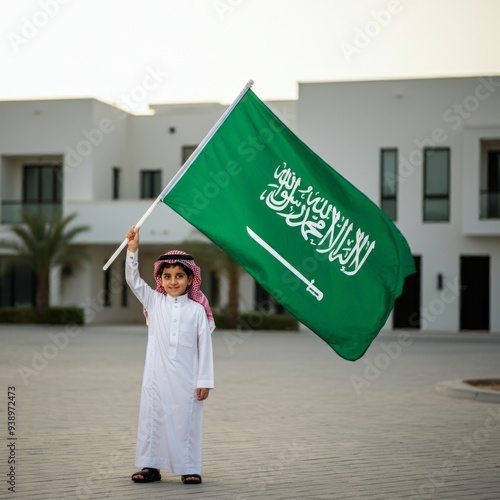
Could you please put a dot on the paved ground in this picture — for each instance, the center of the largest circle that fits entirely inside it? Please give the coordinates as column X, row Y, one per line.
column 288, row 418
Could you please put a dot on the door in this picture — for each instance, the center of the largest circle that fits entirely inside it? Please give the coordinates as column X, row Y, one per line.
column 17, row 286
column 475, row 293
column 406, row 312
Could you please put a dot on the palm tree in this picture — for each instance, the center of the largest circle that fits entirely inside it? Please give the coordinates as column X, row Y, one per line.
column 43, row 244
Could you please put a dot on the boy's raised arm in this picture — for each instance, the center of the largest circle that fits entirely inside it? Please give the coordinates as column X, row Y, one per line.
column 141, row 289
column 133, row 239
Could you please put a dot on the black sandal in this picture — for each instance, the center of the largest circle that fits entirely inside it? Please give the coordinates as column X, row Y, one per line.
column 148, row 475
column 191, row 479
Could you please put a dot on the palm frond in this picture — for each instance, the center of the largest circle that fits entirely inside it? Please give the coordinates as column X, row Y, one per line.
column 44, row 243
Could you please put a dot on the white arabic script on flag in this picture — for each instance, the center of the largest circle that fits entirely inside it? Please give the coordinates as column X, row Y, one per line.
column 320, row 223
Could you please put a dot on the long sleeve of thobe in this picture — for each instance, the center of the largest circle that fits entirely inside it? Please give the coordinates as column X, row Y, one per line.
column 138, row 286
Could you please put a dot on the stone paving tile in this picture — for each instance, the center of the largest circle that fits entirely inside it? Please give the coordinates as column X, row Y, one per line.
column 288, row 418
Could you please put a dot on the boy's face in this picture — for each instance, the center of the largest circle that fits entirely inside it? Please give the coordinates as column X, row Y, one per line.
column 175, row 280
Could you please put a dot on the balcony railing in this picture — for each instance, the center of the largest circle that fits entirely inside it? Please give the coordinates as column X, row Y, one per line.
column 12, row 210
column 490, row 204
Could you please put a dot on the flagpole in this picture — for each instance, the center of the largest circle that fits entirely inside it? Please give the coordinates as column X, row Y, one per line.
column 124, row 243
column 203, row 143
column 181, row 171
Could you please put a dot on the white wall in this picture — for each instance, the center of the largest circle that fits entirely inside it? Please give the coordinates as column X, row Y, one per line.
column 110, row 147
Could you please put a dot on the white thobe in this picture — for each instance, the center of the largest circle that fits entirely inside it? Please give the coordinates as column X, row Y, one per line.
column 178, row 361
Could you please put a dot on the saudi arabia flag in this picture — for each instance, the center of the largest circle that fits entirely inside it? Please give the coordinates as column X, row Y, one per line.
column 317, row 244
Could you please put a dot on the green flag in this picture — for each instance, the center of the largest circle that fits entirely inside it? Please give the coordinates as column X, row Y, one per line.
column 317, row 244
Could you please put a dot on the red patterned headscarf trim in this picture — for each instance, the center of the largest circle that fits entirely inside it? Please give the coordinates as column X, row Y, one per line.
column 193, row 291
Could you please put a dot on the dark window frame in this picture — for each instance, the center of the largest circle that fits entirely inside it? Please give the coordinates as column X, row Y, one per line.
column 150, row 178
column 490, row 191
column 57, row 185
column 116, row 183
column 389, row 197
column 432, row 197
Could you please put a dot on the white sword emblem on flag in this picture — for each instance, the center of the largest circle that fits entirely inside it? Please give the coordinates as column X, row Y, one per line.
column 311, row 288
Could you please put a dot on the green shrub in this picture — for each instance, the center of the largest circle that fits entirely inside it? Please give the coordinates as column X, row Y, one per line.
column 255, row 320
column 62, row 316
column 22, row 315
column 220, row 320
column 52, row 316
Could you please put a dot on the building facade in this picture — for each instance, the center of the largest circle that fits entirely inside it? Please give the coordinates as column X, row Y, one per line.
column 426, row 151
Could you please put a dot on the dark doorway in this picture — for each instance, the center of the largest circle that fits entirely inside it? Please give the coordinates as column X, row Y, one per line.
column 475, row 293
column 406, row 312
column 264, row 301
column 17, row 286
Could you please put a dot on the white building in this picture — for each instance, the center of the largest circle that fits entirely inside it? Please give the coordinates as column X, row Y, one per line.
column 427, row 151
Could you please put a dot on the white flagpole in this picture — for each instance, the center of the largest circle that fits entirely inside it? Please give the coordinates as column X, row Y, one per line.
column 181, row 171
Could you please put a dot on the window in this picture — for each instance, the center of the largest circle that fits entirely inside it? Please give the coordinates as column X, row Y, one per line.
column 187, row 151
column 42, row 184
column 42, row 189
column 150, row 183
column 436, row 184
column 389, row 182
column 116, row 183
column 490, row 182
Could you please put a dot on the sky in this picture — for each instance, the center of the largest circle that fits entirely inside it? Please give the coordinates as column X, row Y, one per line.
column 135, row 52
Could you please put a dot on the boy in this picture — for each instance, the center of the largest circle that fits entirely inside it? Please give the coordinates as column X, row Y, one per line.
column 178, row 371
